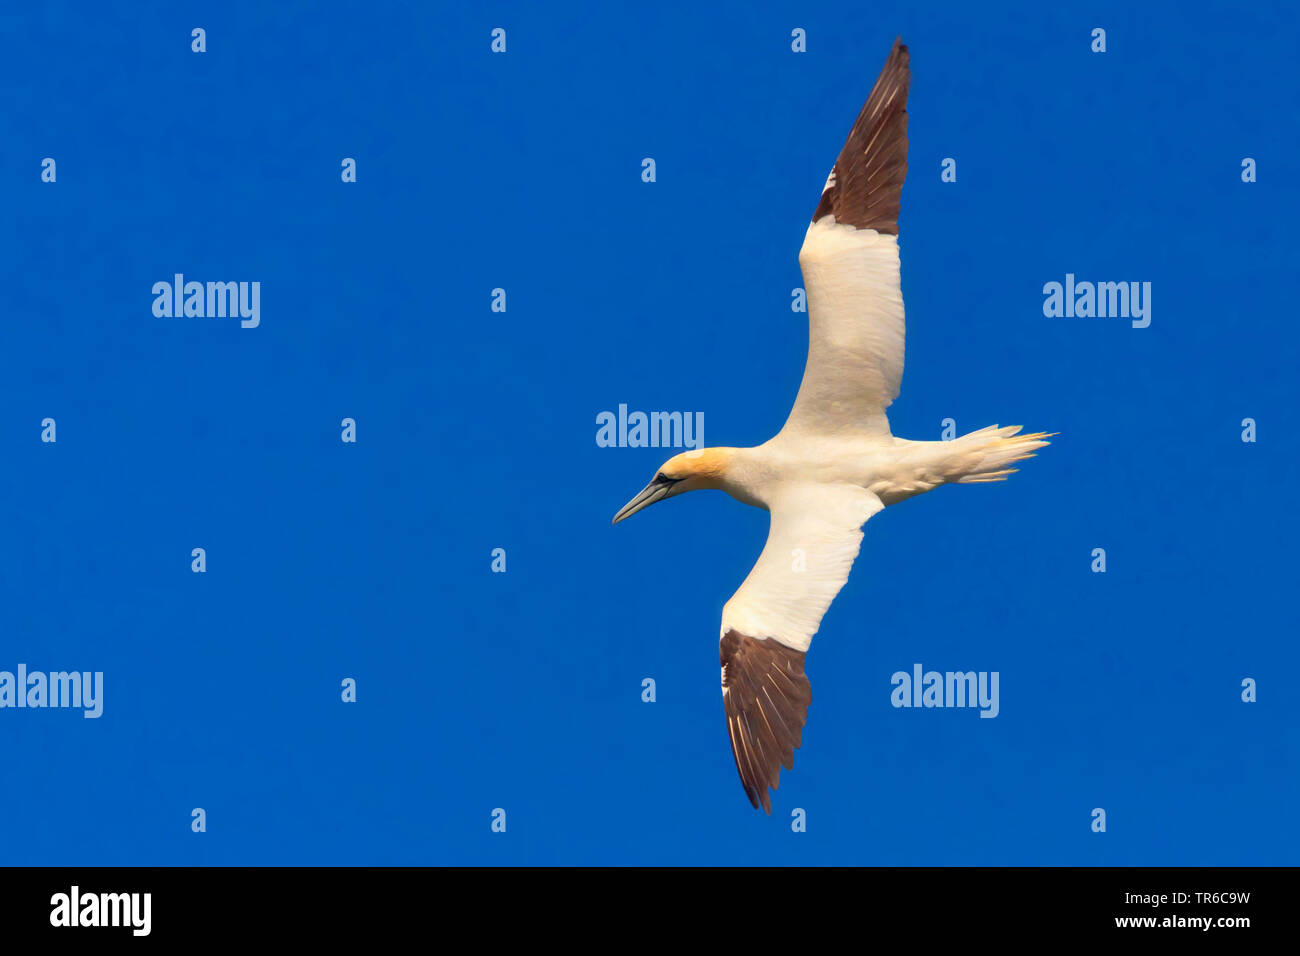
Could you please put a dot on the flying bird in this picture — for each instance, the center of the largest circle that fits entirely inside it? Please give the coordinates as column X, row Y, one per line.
column 835, row 463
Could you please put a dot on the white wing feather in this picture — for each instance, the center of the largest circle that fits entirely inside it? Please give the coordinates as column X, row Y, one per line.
column 855, row 331
column 813, row 540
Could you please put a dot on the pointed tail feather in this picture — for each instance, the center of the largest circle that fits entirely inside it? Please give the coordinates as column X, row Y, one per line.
column 989, row 451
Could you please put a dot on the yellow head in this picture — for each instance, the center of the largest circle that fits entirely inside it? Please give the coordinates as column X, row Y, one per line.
column 691, row 470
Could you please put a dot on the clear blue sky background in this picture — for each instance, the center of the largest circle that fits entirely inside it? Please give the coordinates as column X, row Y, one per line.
column 477, row 430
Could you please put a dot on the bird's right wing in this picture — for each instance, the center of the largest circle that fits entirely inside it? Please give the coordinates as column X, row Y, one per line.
column 770, row 621
column 851, row 274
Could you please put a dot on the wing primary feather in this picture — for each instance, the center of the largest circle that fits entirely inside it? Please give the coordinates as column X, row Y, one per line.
column 766, row 698
column 866, row 183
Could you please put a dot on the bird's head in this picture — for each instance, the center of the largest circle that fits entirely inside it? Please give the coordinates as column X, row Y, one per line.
column 691, row 470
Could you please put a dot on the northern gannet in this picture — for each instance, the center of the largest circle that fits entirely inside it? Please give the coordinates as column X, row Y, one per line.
column 835, row 463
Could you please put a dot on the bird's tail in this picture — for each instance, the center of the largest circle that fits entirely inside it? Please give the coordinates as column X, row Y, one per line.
column 985, row 454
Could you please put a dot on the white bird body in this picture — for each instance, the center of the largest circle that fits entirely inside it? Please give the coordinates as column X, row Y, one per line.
column 835, row 463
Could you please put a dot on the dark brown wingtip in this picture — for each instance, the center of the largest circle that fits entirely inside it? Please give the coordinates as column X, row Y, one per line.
column 866, row 184
column 765, row 697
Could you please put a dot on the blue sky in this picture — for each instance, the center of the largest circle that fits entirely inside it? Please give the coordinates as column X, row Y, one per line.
column 476, row 430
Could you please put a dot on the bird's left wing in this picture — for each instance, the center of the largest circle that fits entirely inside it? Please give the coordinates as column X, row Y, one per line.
column 770, row 621
column 851, row 275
